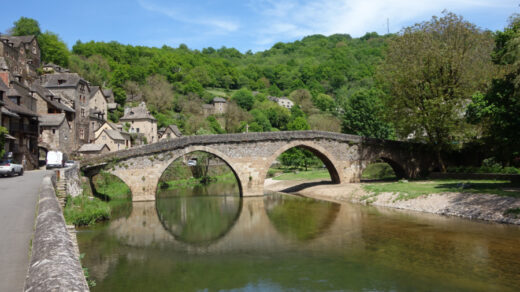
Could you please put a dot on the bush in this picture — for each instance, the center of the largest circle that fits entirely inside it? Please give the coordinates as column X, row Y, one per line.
column 83, row 210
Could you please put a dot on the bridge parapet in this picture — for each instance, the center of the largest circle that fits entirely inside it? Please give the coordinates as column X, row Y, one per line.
column 250, row 155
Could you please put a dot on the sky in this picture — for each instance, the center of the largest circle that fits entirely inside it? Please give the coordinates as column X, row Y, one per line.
column 243, row 24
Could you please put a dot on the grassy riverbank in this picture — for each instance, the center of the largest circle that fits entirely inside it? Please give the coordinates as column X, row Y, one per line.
column 191, row 182
column 87, row 209
column 414, row 189
column 375, row 171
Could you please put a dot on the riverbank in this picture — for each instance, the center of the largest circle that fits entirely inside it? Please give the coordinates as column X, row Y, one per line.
column 467, row 204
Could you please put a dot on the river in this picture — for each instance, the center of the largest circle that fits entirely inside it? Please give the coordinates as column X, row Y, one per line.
column 210, row 239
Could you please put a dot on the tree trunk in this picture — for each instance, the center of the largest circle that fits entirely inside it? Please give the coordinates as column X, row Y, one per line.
column 440, row 161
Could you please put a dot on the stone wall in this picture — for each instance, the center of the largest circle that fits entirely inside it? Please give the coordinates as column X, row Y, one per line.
column 73, row 180
column 55, row 264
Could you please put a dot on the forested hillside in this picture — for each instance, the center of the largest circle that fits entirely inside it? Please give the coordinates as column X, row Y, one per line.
column 320, row 72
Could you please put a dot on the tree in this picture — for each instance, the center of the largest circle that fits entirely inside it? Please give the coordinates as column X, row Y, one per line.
column 431, row 70
column 499, row 109
column 25, row 26
column 244, row 98
column 298, row 124
column 363, row 115
column 235, row 119
column 3, row 132
column 158, row 92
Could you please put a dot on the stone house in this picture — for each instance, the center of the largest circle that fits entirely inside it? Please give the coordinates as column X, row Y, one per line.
column 218, row 106
column 21, row 54
column 109, row 126
column 20, row 118
column 140, row 121
column 98, row 101
column 76, row 90
column 282, row 101
column 115, row 140
column 54, row 132
column 170, row 132
column 87, row 150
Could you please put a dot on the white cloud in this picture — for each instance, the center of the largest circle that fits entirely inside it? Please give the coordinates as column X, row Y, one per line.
column 182, row 15
column 296, row 18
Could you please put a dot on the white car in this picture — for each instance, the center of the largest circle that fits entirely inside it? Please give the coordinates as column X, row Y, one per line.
column 7, row 167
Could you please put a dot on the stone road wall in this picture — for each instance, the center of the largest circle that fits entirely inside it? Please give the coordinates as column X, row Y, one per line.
column 54, row 262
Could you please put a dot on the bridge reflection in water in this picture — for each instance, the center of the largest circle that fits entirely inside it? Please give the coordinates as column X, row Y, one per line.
column 227, row 223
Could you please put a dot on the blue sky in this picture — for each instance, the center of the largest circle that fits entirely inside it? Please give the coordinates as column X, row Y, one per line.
column 245, row 24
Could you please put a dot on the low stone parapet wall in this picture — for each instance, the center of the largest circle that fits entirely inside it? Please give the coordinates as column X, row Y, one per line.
column 55, row 264
column 73, row 180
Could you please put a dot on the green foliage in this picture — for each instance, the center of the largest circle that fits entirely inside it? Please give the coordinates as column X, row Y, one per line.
column 53, row 49
column 215, row 125
column 244, row 98
column 25, row 26
column 299, row 158
column 298, row 124
column 305, row 175
column 3, row 132
column 85, row 210
column 364, row 113
column 499, row 109
column 431, row 70
column 378, row 171
column 324, row 102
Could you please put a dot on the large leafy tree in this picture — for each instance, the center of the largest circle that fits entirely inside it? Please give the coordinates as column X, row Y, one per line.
column 364, row 113
column 499, row 109
column 53, row 49
column 431, row 71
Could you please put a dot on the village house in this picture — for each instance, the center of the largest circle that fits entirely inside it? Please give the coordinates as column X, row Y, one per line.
column 54, row 132
column 97, row 110
column 109, row 126
column 217, row 106
column 170, row 132
column 114, row 139
column 21, row 55
column 282, row 101
column 76, row 90
column 140, row 121
column 87, row 150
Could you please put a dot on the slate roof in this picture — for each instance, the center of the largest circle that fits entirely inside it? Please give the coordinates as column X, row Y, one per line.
column 19, row 109
column 3, row 64
column 175, row 130
column 51, row 120
column 114, row 134
column 17, row 40
column 137, row 113
column 219, row 100
column 46, row 95
column 93, row 91
column 9, row 113
column 111, row 106
column 70, row 80
column 92, row 147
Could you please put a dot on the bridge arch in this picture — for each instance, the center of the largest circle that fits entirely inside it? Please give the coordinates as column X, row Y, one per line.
column 226, row 159
column 323, row 154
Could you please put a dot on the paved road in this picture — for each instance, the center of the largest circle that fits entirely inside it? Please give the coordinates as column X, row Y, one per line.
column 18, row 199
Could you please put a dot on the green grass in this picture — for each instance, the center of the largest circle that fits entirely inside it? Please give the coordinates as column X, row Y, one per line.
column 414, row 189
column 191, row 182
column 305, row 175
column 86, row 210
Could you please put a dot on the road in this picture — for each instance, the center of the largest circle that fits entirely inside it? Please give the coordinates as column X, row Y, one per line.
column 18, row 199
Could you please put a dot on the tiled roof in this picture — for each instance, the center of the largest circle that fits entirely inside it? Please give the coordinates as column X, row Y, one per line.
column 175, row 130
column 219, row 99
column 19, row 109
column 137, row 113
column 17, row 40
column 53, row 80
column 46, row 95
column 114, row 134
column 92, row 147
column 9, row 113
column 51, row 120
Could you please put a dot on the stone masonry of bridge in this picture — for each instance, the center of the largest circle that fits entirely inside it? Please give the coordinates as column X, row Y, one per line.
column 249, row 155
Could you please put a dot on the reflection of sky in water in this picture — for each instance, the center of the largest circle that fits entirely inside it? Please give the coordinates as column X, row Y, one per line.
column 259, row 244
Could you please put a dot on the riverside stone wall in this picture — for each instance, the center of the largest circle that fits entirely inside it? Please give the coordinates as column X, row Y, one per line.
column 73, row 180
column 55, row 264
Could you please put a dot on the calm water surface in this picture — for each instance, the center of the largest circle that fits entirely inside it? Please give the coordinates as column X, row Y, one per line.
column 210, row 239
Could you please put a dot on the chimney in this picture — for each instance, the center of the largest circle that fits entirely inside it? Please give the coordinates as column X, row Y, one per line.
column 4, row 75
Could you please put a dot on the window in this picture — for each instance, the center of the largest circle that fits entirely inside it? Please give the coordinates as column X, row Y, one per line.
column 81, row 134
column 137, row 129
column 83, row 112
column 53, row 131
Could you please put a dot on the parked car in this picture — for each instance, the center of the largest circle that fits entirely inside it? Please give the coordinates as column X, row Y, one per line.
column 55, row 159
column 192, row 162
column 7, row 167
column 69, row 163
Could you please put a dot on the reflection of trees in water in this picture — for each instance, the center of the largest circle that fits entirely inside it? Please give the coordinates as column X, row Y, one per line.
column 300, row 218
column 197, row 215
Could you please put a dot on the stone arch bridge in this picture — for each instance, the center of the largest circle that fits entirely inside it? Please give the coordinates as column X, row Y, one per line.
column 249, row 155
